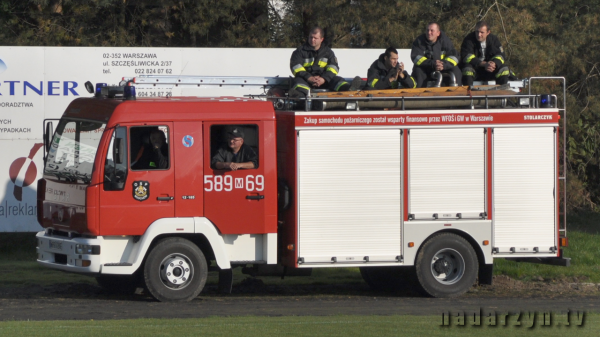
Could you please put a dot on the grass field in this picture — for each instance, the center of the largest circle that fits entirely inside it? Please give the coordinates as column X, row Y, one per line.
column 295, row 326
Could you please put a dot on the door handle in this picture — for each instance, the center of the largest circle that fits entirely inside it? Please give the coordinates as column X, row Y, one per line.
column 255, row 197
column 164, row 198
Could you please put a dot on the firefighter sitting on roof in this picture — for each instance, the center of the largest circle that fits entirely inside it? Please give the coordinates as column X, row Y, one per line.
column 314, row 65
column 386, row 72
column 433, row 52
column 483, row 57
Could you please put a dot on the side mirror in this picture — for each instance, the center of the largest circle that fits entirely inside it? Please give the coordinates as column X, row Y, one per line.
column 48, row 136
column 89, row 87
column 118, row 152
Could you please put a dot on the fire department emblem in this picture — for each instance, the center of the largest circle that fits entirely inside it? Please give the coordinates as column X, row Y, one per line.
column 141, row 190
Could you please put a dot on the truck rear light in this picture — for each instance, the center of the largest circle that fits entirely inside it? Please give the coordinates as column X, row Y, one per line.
column 564, row 242
column 290, row 247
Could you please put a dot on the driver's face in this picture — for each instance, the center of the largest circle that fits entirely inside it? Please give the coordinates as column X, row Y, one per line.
column 156, row 138
column 235, row 143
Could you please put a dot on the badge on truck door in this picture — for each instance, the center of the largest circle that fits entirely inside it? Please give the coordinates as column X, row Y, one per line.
column 141, row 190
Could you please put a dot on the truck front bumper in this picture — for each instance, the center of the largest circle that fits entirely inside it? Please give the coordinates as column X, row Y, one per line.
column 77, row 255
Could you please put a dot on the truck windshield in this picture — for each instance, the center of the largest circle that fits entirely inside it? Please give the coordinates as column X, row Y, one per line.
column 73, row 149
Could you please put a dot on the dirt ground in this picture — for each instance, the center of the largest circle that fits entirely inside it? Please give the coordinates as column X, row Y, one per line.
column 84, row 301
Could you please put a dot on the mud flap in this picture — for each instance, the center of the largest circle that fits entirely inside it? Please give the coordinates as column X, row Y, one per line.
column 486, row 273
column 225, row 281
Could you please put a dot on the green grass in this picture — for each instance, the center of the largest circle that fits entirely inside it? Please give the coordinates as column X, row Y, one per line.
column 289, row 326
column 18, row 266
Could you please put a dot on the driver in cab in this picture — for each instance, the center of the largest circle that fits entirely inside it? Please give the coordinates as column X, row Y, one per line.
column 236, row 155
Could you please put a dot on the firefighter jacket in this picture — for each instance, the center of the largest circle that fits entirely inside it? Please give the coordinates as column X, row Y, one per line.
column 471, row 53
column 378, row 76
column 424, row 53
column 306, row 62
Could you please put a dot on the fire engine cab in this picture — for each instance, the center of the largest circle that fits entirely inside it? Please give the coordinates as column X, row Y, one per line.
column 431, row 183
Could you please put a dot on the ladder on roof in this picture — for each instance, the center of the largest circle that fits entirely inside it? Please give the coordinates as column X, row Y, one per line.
column 260, row 81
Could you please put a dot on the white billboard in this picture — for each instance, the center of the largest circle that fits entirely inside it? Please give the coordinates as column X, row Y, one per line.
column 39, row 82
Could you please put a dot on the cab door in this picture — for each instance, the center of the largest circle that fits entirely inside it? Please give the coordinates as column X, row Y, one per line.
column 148, row 191
column 241, row 201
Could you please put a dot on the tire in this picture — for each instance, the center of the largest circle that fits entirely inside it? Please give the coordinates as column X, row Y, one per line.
column 119, row 284
column 446, row 266
column 175, row 270
column 389, row 279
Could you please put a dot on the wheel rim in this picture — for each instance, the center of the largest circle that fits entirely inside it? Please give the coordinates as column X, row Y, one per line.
column 176, row 271
column 447, row 266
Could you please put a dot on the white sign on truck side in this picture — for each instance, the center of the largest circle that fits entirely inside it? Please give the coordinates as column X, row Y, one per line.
column 38, row 83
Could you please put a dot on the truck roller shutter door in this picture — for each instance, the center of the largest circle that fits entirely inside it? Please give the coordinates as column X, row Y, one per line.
column 446, row 173
column 524, row 184
column 349, row 195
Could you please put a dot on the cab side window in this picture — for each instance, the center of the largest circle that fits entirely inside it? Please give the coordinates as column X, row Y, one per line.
column 149, row 148
column 234, row 147
column 115, row 165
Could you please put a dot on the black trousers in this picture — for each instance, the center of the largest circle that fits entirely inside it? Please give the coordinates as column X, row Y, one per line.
column 335, row 85
column 500, row 75
column 421, row 77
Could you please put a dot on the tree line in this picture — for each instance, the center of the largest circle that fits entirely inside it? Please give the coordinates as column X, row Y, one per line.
column 540, row 38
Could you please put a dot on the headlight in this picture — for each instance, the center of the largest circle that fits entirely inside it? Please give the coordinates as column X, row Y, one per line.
column 87, row 249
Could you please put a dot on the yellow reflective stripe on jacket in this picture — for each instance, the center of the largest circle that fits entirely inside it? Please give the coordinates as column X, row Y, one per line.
column 309, row 62
column 499, row 58
column 373, row 82
column 452, row 60
column 297, row 68
column 469, row 58
column 323, row 62
column 421, row 60
column 333, row 69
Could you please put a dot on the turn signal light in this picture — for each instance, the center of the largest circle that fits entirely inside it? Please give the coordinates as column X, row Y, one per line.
column 486, row 242
column 290, row 247
column 564, row 242
column 411, row 244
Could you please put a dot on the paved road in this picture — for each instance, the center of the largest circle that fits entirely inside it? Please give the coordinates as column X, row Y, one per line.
column 87, row 301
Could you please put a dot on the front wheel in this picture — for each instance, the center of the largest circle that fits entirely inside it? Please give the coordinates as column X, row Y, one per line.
column 175, row 270
column 446, row 266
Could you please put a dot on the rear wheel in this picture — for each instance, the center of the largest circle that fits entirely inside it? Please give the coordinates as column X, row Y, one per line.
column 446, row 266
column 175, row 270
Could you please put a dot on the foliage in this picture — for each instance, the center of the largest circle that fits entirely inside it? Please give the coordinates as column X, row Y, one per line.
column 540, row 37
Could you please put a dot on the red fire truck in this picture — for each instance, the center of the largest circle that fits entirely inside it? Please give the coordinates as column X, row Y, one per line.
column 430, row 183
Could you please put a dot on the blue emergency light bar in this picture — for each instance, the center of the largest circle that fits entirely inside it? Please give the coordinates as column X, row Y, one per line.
column 129, row 92
column 99, row 87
